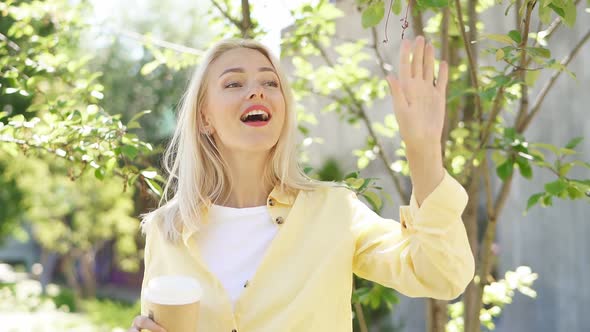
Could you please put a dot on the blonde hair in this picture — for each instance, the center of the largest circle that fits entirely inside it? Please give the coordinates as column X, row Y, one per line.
column 196, row 171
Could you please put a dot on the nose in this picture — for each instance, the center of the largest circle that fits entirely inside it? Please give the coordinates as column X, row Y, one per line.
column 257, row 91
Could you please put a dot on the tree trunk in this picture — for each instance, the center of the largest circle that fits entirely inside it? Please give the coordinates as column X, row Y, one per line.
column 69, row 270
column 436, row 314
column 470, row 218
column 89, row 279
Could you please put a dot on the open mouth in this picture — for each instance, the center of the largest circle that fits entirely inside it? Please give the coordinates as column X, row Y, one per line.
column 256, row 117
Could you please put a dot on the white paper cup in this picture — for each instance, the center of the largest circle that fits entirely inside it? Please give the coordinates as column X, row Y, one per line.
column 173, row 302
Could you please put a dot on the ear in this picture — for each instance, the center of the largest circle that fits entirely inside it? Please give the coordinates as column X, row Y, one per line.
column 207, row 126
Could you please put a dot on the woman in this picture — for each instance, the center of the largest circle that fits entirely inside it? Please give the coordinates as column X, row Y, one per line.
column 273, row 249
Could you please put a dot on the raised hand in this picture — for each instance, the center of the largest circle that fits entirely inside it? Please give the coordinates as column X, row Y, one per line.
column 419, row 101
column 419, row 106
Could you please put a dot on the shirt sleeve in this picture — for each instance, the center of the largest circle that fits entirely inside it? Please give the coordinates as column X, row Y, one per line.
column 148, row 231
column 426, row 254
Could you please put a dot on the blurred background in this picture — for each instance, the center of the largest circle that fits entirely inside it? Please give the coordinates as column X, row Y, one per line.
column 88, row 97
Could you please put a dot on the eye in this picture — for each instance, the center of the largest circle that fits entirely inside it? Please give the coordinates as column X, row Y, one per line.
column 233, row 85
column 272, row 83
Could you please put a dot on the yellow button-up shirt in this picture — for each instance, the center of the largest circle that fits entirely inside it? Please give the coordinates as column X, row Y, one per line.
column 304, row 282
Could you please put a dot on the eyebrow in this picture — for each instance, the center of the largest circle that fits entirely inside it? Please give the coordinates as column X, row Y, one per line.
column 241, row 70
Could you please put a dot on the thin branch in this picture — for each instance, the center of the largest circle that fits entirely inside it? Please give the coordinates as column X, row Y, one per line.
column 9, row 42
column 496, row 108
column 358, row 309
column 444, row 42
column 363, row 115
column 375, row 47
column 545, row 90
column 470, row 58
column 226, row 14
column 501, row 197
column 488, row 186
column 524, row 99
column 157, row 42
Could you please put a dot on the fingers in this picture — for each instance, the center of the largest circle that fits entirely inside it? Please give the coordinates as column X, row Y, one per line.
column 418, row 58
column 399, row 99
column 443, row 77
column 143, row 322
column 405, row 68
column 429, row 63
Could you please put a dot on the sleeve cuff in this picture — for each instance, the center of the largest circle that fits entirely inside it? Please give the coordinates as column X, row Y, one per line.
column 443, row 206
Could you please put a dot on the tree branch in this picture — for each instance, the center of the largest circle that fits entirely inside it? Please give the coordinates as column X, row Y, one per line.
column 158, row 42
column 417, row 22
column 226, row 14
column 524, row 99
column 545, row 90
column 9, row 42
column 471, row 59
column 363, row 115
column 445, row 56
column 375, row 47
column 246, row 20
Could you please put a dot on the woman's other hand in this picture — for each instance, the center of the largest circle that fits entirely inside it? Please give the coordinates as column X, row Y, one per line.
column 145, row 323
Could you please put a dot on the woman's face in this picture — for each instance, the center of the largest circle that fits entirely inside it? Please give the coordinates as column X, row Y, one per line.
column 243, row 81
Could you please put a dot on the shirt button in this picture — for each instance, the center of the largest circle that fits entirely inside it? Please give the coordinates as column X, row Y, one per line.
column 271, row 202
column 280, row 220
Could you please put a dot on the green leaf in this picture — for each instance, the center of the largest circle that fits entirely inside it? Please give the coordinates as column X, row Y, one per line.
column 133, row 121
column 545, row 14
column 504, row 171
column 556, row 187
column 154, row 186
column 539, row 51
column 499, row 38
column 396, row 8
column 525, row 168
column 531, row 77
column 565, row 168
column 433, row 3
column 99, row 173
column 533, row 200
column 574, row 193
column 547, row 146
column 352, row 175
column 499, row 54
column 515, row 35
column 373, row 14
column 373, row 199
column 355, row 183
column 558, row 10
column 570, row 14
column 150, row 67
column 574, row 142
column 581, row 163
column 547, row 200
column 129, row 151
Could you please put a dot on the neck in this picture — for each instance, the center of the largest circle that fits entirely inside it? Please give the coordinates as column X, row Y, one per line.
column 246, row 169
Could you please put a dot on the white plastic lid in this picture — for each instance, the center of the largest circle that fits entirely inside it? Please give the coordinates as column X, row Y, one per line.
column 173, row 290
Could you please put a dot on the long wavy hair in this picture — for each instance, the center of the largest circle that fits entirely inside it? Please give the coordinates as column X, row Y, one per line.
column 197, row 174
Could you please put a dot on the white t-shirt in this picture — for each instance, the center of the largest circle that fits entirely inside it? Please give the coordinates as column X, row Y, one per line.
column 234, row 242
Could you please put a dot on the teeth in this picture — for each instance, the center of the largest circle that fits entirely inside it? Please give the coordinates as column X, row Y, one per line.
column 254, row 112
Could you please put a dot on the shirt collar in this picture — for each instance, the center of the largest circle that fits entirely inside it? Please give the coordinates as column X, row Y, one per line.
column 283, row 197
